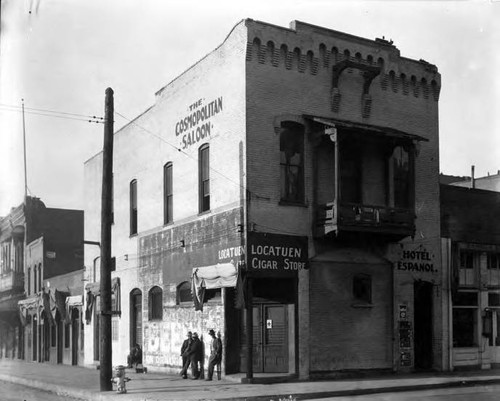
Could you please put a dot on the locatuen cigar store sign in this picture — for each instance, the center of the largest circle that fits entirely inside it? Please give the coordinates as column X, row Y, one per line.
column 276, row 253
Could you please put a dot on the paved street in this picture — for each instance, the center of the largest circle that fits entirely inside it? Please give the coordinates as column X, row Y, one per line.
column 17, row 392
column 476, row 393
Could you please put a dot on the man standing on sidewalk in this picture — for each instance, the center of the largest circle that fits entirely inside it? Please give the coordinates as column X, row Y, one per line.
column 215, row 354
column 186, row 345
column 195, row 354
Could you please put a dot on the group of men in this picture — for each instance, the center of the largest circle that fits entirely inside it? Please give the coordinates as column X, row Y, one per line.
column 192, row 355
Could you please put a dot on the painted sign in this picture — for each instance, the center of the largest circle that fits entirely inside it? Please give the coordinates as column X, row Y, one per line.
column 197, row 126
column 417, row 260
column 276, row 253
column 236, row 254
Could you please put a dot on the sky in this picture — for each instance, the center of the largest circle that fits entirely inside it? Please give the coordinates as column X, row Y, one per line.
column 59, row 56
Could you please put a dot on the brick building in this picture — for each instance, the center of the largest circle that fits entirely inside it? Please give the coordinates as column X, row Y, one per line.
column 301, row 165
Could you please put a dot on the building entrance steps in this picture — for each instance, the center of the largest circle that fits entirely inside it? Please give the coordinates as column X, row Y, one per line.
column 83, row 383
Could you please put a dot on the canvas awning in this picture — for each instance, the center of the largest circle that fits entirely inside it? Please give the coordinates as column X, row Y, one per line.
column 216, row 276
column 211, row 277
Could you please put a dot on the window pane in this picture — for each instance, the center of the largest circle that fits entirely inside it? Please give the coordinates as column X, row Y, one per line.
column 291, row 160
column 167, row 194
column 401, row 164
column 493, row 299
column 464, row 327
column 466, row 299
column 204, row 178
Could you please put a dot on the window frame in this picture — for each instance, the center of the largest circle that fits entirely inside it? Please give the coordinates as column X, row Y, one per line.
column 297, row 132
column 133, row 208
column 182, row 288
column 475, row 319
column 204, row 178
column 168, row 205
column 155, row 303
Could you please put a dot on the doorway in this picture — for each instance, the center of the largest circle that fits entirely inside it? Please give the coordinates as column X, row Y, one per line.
column 423, row 325
column 136, row 318
column 273, row 327
column 75, row 325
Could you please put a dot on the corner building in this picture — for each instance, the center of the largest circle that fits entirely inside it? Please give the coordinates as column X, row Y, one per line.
column 301, row 165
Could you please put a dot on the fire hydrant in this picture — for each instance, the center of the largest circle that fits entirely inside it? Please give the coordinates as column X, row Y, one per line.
column 119, row 379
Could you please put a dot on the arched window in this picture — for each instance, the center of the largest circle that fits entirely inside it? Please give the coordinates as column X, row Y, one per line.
column 292, row 162
column 155, row 303
column 184, row 293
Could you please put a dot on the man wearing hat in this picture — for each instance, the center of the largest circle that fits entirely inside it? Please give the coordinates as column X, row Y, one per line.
column 186, row 345
column 195, row 354
column 215, row 354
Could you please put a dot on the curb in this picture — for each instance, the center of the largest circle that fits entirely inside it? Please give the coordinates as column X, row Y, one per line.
column 89, row 395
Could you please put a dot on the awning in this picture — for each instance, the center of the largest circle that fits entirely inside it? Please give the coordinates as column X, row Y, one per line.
column 383, row 131
column 24, row 305
column 73, row 301
column 216, row 276
column 211, row 277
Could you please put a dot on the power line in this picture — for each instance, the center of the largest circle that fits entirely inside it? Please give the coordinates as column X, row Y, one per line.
column 52, row 113
column 185, row 153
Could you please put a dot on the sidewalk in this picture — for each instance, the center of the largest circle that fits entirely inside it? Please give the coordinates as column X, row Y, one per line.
column 83, row 383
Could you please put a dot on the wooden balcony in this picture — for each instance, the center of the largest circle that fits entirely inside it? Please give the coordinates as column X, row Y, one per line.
column 364, row 218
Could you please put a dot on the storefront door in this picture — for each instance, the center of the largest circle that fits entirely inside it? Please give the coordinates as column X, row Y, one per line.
column 270, row 339
column 423, row 324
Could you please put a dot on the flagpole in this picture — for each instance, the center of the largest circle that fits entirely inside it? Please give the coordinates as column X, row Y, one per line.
column 24, row 153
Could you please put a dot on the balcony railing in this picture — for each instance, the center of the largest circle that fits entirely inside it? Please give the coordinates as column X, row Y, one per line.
column 364, row 218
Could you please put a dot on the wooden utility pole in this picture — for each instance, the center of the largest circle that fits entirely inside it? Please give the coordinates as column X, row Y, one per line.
column 105, row 355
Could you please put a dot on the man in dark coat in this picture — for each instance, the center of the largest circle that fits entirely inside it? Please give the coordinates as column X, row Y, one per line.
column 215, row 354
column 185, row 354
column 135, row 356
column 195, row 355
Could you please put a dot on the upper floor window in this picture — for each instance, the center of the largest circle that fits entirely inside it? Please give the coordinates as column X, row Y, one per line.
column 292, row 162
column 133, row 207
column 468, row 271
column 493, row 266
column 168, row 205
column 155, row 303
column 401, row 169
column 29, row 281
column 40, row 278
column 35, row 279
column 204, row 178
